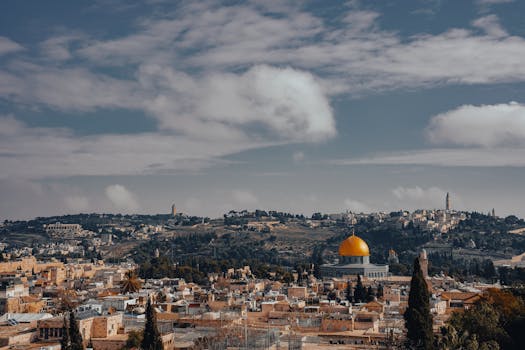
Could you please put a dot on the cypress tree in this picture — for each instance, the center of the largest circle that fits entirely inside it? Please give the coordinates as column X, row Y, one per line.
column 370, row 295
column 151, row 339
column 74, row 333
column 418, row 319
column 360, row 291
column 65, row 342
column 380, row 290
column 317, row 260
column 349, row 293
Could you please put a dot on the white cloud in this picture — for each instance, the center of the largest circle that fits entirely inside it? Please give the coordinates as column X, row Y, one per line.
column 418, row 197
column 357, row 56
column 288, row 102
column 8, row 46
column 360, row 53
column 10, row 85
column 485, row 125
column 189, row 52
column 203, row 119
column 244, row 197
column 462, row 157
column 238, row 28
column 122, row 198
column 69, row 89
column 53, row 152
column 356, row 206
column 298, row 156
column 490, row 24
column 58, row 47
column 212, row 76
column 493, row 136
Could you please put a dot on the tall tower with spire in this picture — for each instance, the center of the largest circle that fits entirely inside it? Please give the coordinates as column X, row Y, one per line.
column 447, row 202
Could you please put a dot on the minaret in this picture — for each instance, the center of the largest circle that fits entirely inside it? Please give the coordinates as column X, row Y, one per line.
column 447, row 202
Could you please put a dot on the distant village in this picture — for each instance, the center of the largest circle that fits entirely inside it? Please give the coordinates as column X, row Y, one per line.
column 344, row 299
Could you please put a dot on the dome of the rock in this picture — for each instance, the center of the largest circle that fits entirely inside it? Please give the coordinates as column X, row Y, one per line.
column 354, row 246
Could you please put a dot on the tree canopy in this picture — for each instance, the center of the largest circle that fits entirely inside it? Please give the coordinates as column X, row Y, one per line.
column 151, row 337
column 418, row 319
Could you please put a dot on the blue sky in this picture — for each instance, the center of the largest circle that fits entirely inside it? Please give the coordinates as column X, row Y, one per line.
column 303, row 106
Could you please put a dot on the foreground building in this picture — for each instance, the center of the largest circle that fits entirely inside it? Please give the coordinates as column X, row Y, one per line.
column 354, row 259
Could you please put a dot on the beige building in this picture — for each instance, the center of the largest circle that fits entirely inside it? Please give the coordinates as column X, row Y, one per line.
column 92, row 326
column 298, row 292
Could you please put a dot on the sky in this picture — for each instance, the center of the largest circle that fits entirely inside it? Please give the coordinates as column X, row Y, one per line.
column 302, row 106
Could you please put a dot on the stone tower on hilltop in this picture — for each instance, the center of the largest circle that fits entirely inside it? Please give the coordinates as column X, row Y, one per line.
column 447, row 202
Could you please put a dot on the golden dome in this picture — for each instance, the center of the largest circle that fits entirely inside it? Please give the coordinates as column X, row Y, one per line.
column 354, row 246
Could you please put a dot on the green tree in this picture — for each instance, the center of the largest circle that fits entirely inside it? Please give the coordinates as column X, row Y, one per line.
column 380, row 291
column 370, row 294
column 360, row 291
column 74, row 333
column 481, row 321
column 131, row 284
column 317, row 260
column 134, row 340
column 65, row 342
column 418, row 319
column 349, row 293
column 488, row 269
column 151, row 337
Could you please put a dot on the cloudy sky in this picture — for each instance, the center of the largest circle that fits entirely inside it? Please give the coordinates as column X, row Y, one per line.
column 303, row 106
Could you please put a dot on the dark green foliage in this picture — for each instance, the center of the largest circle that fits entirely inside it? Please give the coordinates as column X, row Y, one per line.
column 511, row 276
column 399, row 269
column 74, row 333
column 71, row 338
column 359, row 291
column 317, row 260
column 481, row 321
column 319, row 216
column 496, row 322
column 300, row 278
column 193, row 257
column 370, row 294
column 380, row 291
column 151, row 337
column 515, row 331
column 418, row 319
column 488, row 269
column 349, row 294
column 134, row 340
column 65, row 342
